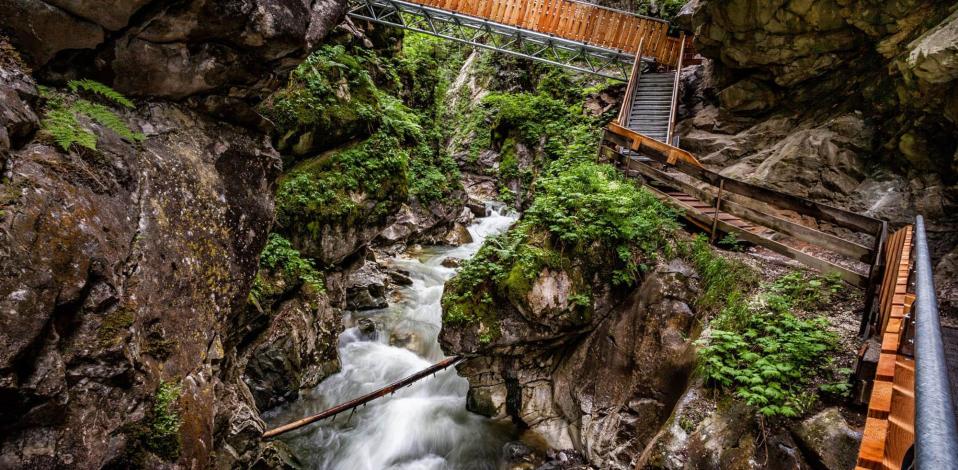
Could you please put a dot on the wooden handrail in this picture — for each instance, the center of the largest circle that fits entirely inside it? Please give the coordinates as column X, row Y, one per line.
column 643, row 143
column 675, row 90
column 630, row 89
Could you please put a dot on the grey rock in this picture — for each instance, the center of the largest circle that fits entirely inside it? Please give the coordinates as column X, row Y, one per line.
column 366, row 288
column 829, row 438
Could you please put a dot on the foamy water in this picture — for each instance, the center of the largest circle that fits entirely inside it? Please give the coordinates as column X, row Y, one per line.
column 421, row 427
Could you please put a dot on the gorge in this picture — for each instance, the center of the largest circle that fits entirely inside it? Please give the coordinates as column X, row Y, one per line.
column 216, row 217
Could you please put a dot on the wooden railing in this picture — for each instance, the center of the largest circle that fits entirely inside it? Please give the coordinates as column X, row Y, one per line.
column 674, row 107
column 755, row 204
column 890, row 424
column 577, row 21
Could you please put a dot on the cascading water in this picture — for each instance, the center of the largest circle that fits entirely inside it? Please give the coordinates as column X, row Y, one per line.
column 423, row 427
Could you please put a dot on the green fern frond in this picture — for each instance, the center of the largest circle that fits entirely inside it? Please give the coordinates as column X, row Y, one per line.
column 100, row 89
column 63, row 126
column 107, row 118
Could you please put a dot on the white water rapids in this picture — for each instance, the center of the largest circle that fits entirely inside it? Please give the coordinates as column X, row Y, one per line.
column 421, row 427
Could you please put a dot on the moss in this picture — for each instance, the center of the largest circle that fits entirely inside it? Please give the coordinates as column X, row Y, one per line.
column 163, row 430
column 114, row 326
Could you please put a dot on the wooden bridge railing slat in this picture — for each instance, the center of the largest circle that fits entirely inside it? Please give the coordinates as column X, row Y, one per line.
column 577, row 21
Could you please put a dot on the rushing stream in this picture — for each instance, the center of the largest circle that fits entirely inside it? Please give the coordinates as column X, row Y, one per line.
column 423, row 427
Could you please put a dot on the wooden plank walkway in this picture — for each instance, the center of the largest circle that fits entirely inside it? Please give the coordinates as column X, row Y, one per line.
column 890, row 423
column 721, row 205
column 577, row 21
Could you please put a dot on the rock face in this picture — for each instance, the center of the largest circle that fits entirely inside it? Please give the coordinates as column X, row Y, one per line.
column 124, row 271
column 602, row 386
column 173, row 50
column 848, row 102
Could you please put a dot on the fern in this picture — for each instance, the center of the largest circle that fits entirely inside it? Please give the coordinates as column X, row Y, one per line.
column 107, row 118
column 62, row 124
column 62, row 120
column 101, row 90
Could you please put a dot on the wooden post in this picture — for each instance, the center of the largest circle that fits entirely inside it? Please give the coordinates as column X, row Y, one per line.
column 675, row 91
column 715, row 213
column 875, row 275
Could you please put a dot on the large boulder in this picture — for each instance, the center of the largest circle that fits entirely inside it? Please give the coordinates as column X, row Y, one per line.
column 601, row 385
column 125, row 270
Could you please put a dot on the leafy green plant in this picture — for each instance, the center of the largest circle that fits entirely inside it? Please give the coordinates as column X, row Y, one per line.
column 99, row 89
column 279, row 255
column 62, row 118
column 766, row 355
column 804, row 291
column 164, row 422
column 731, row 242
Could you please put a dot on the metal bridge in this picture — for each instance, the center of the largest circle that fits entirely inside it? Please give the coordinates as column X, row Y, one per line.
column 567, row 33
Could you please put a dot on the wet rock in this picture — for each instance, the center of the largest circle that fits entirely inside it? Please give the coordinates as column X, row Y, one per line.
column 409, row 340
column 829, row 438
column 466, row 216
column 599, row 383
column 451, row 262
column 399, row 277
column 18, row 96
column 367, row 327
column 477, row 207
column 297, row 350
column 933, row 57
column 457, row 235
column 366, row 288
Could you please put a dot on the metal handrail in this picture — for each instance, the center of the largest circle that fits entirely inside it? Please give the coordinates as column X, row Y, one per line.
column 936, row 435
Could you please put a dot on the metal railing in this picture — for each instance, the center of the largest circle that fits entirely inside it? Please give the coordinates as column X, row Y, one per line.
column 936, row 437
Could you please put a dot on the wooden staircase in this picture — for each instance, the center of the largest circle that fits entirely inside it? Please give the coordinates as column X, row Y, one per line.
column 651, row 104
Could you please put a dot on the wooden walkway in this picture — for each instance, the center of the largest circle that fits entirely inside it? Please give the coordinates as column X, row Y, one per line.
column 717, row 205
column 577, row 21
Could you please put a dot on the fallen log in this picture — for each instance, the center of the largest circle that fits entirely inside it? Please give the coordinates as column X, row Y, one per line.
column 391, row 388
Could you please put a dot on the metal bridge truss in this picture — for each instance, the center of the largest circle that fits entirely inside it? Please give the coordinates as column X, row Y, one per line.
column 477, row 32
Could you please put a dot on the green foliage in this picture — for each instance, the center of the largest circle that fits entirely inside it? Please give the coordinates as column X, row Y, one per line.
column 585, row 216
column 725, row 281
column 766, row 354
column 322, row 190
column 164, row 423
column 591, row 203
column 62, row 117
column 808, row 292
column 62, row 124
column 731, row 242
column 330, row 88
column 280, row 256
column 101, row 90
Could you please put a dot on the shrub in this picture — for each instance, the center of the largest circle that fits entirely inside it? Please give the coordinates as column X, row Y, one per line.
column 584, row 217
column 767, row 355
column 280, row 256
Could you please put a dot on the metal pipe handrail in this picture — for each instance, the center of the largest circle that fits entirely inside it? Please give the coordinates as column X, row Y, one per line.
column 936, row 437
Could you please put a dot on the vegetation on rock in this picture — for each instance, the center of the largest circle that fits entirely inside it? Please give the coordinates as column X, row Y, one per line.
column 769, row 354
column 63, row 112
